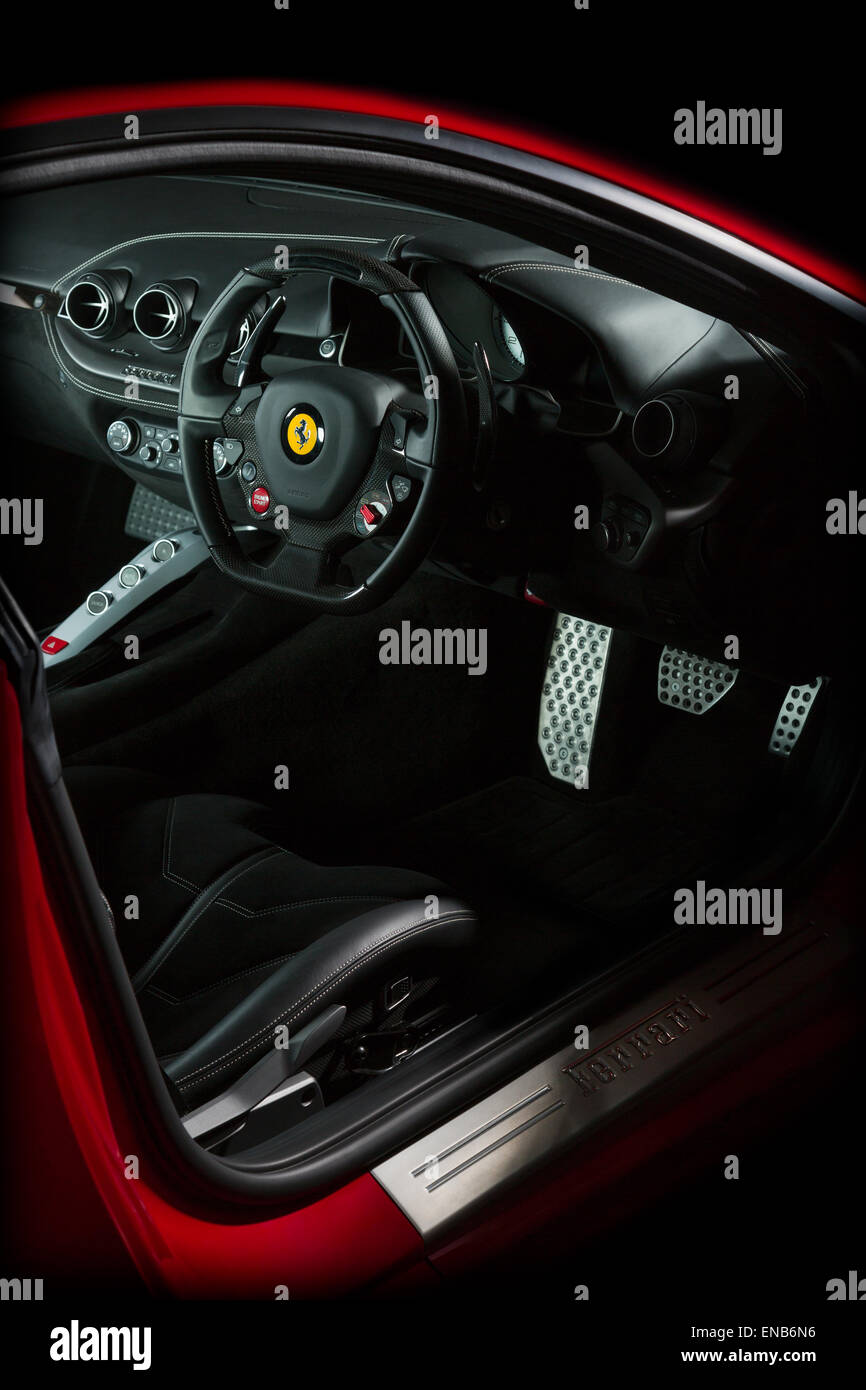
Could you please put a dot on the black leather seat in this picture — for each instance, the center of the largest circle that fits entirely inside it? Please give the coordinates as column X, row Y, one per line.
column 228, row 935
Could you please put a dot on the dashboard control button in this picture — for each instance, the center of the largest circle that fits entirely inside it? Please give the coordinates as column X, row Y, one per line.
column 163, row 550
column 149, row 455
column 98, row 602
column 122, row 436
column 248, row 472
column 260, row 500
column 606, row 536
column 129, row 576
column 398, row 425
column 170, row 444
column 401, row 487
column 54, row 644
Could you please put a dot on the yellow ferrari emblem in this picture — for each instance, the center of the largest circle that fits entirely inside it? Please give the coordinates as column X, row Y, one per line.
column 302, row 433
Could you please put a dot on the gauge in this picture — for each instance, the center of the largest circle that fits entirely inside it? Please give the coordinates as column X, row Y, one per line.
column 507, row 338
column 470, row 315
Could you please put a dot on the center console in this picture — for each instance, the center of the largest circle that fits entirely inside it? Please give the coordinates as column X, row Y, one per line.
column 159, row 564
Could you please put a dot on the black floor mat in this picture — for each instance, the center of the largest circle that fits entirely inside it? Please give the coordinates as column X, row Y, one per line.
column 550, row 869
column 673, row 797
column 604, row 858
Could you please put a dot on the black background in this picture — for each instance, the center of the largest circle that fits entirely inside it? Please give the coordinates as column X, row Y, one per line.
column 609, row 78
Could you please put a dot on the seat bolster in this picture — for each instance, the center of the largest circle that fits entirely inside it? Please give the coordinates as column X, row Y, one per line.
column 336, row 967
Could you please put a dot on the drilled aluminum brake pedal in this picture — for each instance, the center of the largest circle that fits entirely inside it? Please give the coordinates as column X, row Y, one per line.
column 692, row 683
column 571, row 696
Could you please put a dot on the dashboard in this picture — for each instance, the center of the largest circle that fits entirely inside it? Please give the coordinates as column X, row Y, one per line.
column 617, row 455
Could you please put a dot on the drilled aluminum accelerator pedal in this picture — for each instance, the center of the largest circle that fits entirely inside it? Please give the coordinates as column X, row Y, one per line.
column 791, row 719
column 692, row 683
column 571, row 696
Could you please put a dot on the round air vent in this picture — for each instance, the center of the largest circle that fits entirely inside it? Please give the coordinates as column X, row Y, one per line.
column 665, row 430
column 655, row 427
column 678, row 429
column 91, row 307
column 160, row 316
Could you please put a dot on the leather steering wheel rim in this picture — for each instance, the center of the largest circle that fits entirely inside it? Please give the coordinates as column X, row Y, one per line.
column 306, row 572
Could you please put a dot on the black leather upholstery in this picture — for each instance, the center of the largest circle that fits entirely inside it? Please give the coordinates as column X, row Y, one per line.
column 228, row 935
column 638, row 334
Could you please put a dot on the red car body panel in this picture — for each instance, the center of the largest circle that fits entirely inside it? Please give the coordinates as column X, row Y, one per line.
column 353, row 1239
column 356, row 1237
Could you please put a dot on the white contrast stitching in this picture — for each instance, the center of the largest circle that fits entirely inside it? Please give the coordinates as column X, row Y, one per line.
column 204, row 236
column 253, row 912
column 344, row 970
column 566, row 269
column 199, row 909
column 100, row 256
column 173, row 999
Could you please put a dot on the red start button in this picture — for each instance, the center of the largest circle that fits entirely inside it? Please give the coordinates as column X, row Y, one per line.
column 54, row 644
column 260, row 500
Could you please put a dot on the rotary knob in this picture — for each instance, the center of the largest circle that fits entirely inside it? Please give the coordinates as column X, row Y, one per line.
column 122, row 436
column 371, row 511
column 226, row 453
column 606, row 536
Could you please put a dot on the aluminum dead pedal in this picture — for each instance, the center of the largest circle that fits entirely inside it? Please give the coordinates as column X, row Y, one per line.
column 692, row 683
column 791, row 719
column 571, row 696
column 150, row 516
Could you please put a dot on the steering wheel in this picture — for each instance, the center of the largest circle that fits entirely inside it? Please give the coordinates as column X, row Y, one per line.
column 332, row 455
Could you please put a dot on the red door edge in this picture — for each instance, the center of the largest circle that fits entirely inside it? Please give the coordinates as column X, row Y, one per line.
column 41, row 108
column 340, row 1243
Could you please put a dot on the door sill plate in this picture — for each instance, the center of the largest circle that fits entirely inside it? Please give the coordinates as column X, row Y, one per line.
column 439, row 1179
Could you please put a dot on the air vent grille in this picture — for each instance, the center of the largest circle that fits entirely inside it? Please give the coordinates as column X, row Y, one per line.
column 159, row 315
column 90, row 306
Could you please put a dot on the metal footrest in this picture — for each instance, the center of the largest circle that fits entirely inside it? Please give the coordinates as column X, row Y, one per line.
column 571, row 696
column 793, row 713
column 692, row 683
column 151, row 516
